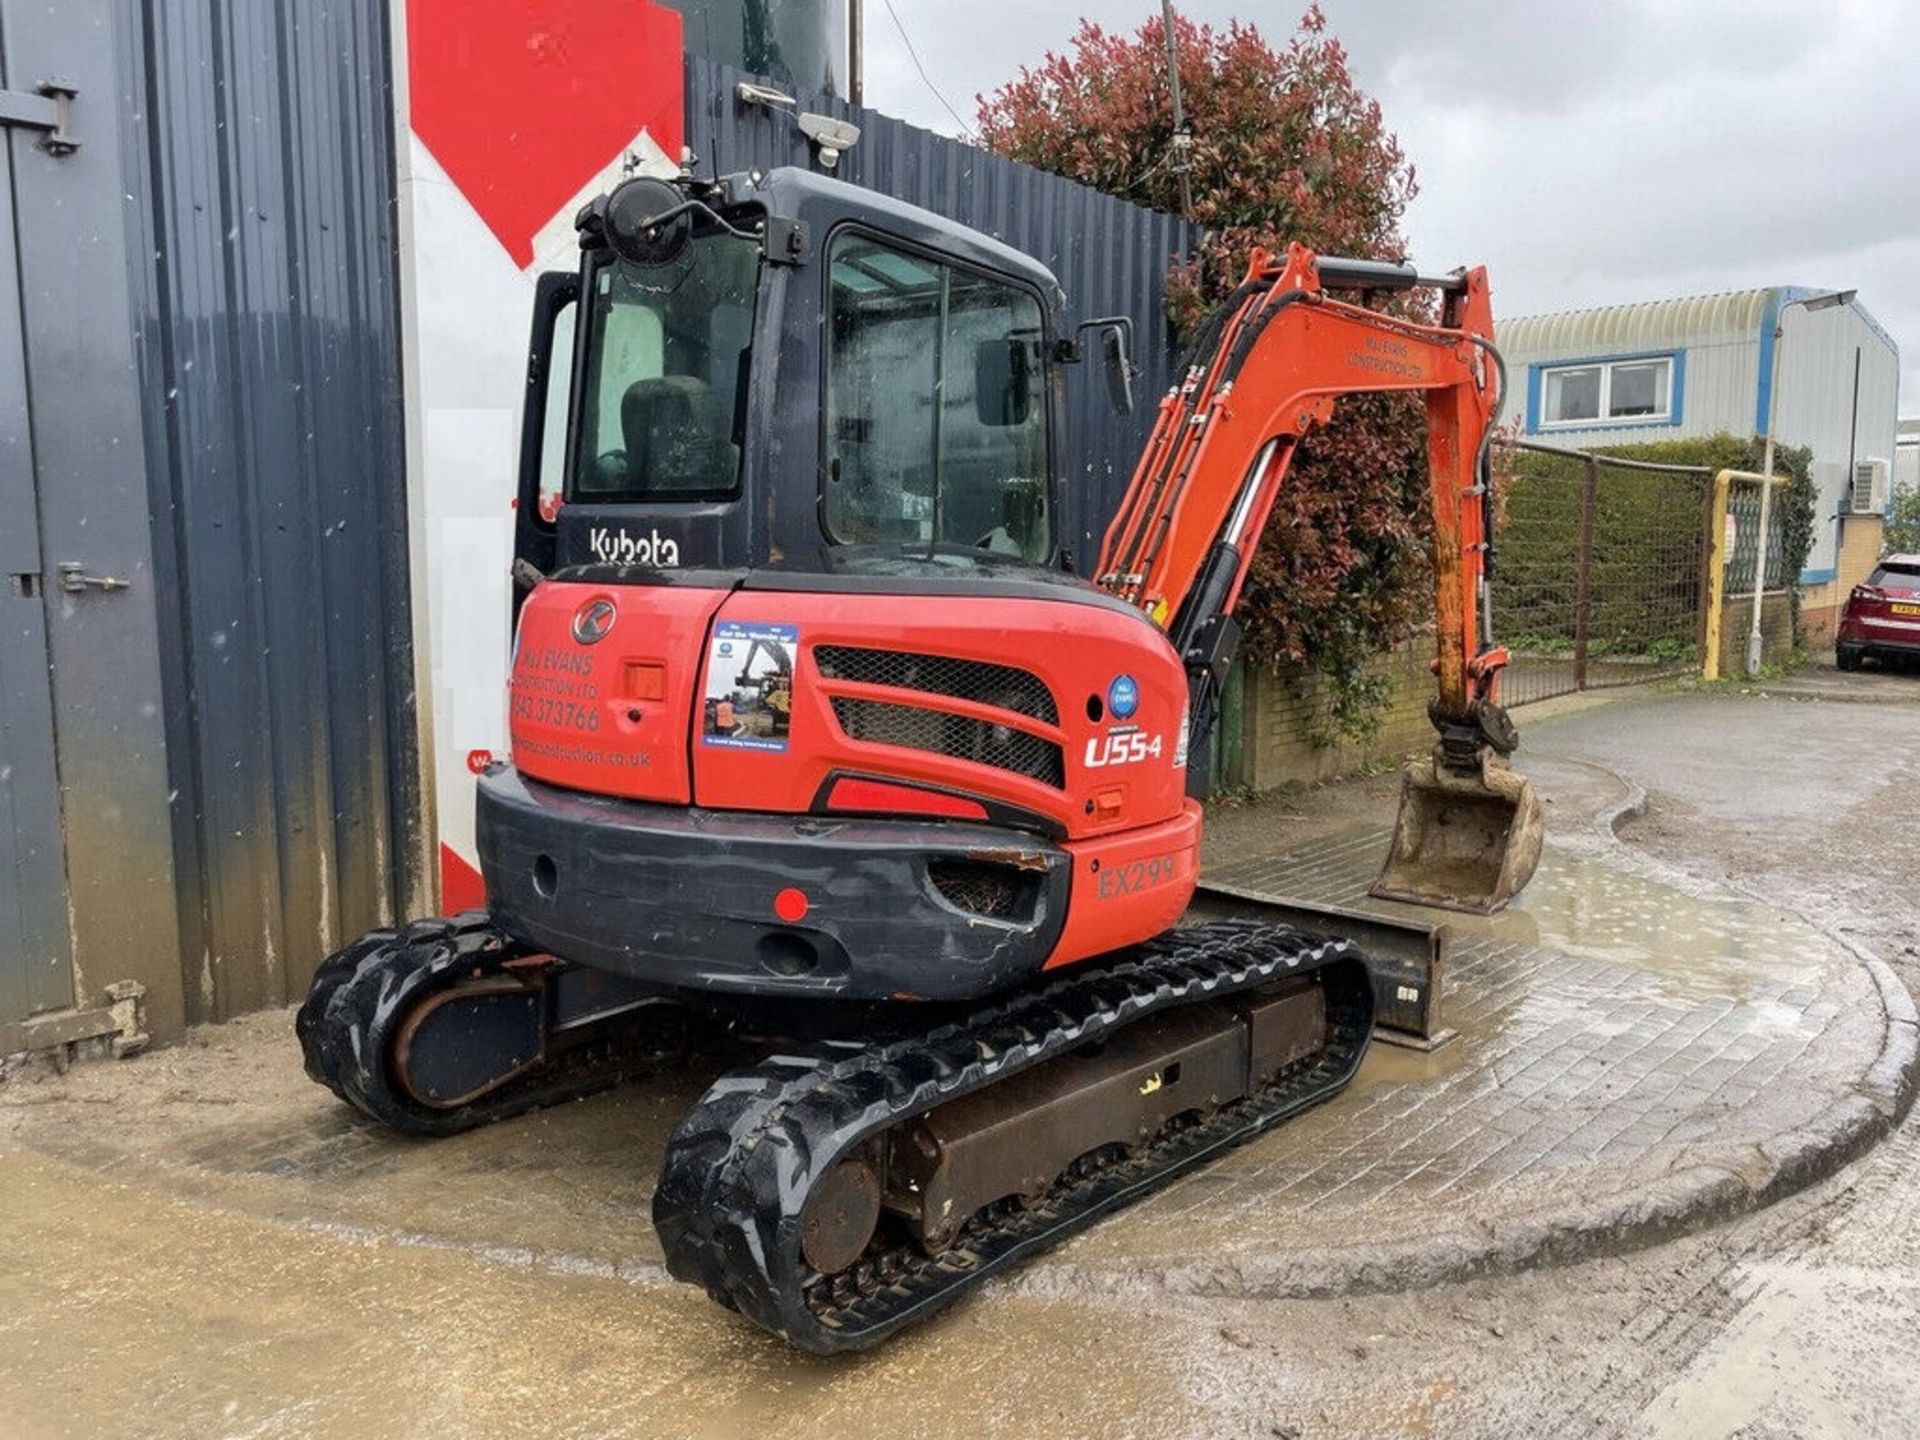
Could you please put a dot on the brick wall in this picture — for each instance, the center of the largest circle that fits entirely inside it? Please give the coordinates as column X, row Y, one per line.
column 1861, row 537
column 1279, row 719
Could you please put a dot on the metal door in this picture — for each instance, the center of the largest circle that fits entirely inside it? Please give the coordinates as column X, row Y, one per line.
column 36, row 953
column 88, row 920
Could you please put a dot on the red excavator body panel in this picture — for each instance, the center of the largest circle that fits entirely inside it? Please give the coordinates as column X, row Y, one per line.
column 600, row 692
column 1056, row 718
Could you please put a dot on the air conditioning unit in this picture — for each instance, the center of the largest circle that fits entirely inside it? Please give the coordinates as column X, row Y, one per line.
column 1869, row 493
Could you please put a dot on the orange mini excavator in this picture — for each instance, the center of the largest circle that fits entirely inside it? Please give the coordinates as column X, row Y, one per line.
column 815, row 733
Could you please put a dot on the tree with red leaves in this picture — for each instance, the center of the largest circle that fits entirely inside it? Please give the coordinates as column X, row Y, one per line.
column 1285, row 147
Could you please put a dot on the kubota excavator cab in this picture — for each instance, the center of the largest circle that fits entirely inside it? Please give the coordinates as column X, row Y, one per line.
column 701, row 400
column 794, row 618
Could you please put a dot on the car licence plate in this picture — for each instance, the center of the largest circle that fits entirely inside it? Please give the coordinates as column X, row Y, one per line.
column 1906, row 609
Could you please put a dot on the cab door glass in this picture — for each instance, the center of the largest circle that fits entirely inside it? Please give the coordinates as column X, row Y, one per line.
column 664, row 374
column 553, row 421
column 936, row 413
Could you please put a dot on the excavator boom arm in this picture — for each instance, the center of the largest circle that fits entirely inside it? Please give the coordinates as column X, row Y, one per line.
column 1266, row 372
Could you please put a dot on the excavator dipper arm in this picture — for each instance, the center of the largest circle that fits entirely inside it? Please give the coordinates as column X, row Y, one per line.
column 1266, row 372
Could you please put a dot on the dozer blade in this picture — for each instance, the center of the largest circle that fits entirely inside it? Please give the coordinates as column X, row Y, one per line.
column 1465, row 840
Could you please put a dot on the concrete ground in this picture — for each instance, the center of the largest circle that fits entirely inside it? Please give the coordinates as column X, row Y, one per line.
column 202, row 1243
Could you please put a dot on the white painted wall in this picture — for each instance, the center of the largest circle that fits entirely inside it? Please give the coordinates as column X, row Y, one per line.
column 467, row 312
column 1817, row 405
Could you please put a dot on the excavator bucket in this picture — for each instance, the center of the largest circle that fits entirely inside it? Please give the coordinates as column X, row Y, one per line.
column 1465, row 840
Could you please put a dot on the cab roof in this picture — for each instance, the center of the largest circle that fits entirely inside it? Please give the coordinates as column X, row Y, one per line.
column 822, row 203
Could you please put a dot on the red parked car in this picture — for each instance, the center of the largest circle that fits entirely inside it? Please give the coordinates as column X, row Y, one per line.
column 1882, row 615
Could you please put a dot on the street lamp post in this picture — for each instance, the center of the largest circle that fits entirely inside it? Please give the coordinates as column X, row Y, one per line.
column 1807, row 302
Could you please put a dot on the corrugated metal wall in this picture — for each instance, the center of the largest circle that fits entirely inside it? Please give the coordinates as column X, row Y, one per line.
column 1110, row 257
column 260, row 168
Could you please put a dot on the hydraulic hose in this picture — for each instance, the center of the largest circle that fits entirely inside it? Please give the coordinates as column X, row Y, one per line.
column 1483, row 469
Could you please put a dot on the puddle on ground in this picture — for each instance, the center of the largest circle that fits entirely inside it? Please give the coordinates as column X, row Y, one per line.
column 1690, row 946
column 1594, row 947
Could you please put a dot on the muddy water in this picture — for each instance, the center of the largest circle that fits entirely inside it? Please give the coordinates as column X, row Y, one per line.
column 146, row 1314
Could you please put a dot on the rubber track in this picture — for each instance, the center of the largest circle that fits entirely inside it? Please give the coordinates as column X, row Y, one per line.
column 360, row 996
column 740, row 1165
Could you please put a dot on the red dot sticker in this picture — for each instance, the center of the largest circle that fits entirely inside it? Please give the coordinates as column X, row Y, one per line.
column 790, row 905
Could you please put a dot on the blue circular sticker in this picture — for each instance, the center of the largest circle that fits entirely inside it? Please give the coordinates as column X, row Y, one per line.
column 1123, row 696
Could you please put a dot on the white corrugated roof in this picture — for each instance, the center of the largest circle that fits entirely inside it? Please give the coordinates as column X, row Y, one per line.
column 1731, row 317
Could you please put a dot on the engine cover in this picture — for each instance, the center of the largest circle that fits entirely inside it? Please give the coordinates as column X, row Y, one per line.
column 1063, row 715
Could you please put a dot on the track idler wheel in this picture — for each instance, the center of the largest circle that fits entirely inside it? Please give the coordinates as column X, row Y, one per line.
column 468, row 1040
column 839, row 1218
column 448, row 1024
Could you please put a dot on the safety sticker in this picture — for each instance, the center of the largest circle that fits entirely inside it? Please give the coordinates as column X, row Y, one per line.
column 749, row 699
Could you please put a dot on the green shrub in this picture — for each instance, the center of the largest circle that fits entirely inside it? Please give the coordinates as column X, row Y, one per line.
column 1285, row 147
column 1903, row 523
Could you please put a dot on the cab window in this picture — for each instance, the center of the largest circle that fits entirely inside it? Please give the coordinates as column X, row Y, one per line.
column 664, row 374
column 936, row 407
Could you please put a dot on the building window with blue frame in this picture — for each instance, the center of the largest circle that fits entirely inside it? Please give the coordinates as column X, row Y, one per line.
column 1598, row 392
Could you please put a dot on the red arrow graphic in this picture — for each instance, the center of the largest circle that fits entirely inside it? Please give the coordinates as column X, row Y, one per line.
column 523, row 101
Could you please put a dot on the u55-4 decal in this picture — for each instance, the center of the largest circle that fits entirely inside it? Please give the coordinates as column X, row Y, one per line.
column 1123, row 747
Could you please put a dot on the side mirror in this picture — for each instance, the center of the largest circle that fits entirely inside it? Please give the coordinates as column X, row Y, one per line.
column 646, row 221
column 1003, row 381
column 1119, row 360
column 1116, row 350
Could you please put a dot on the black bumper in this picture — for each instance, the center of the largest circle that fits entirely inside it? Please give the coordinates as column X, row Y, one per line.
column 1905, row 649
column 683, row 898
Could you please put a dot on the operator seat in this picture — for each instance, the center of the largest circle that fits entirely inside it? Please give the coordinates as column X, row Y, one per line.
column 676, row 437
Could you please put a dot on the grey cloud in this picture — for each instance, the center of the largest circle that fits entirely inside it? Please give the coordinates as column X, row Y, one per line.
column 1590, row 154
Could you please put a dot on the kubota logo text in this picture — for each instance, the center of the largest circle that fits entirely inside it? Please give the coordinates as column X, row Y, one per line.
column 617, row 547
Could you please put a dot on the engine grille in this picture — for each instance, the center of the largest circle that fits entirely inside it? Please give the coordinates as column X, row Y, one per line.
column 998, row 892
column 1020, row 691
column 957, row 736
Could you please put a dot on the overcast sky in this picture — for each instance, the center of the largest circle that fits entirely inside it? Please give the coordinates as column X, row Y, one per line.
column 1587, row 153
